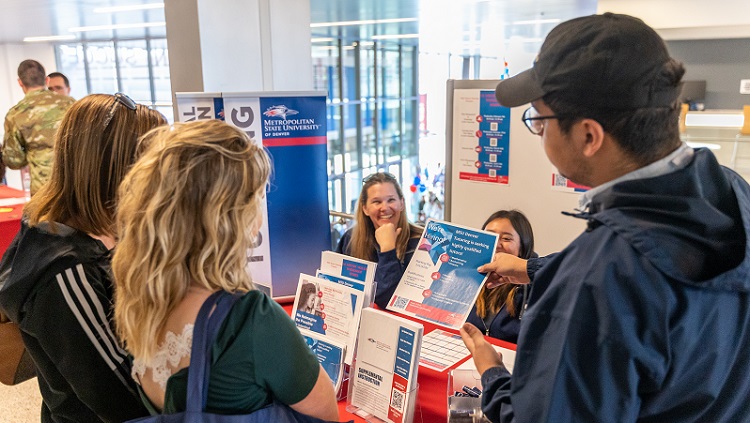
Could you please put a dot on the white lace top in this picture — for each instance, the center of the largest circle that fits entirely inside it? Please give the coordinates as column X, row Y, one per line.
column 174, row 348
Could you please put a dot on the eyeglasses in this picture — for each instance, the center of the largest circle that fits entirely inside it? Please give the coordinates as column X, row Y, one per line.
column 123, row 99
column 534, row 122
column 379, row 175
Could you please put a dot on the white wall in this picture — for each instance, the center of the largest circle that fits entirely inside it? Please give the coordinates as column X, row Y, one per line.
column 11, row 55
column 529, row 189
column 687, row 19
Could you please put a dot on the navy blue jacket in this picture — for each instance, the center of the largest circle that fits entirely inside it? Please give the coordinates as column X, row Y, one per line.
column 646, row 315
column 502, row 326
column 389, row 270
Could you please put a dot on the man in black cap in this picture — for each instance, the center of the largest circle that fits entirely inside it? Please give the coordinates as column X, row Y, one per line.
column 646, row 315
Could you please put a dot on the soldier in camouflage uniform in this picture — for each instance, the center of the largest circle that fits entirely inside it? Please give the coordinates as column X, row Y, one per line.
column 31, row 124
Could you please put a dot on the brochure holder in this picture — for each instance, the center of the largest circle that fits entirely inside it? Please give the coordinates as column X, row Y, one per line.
column 464, row 409
column 371, row 295
column 408, row 415
column 344, row 387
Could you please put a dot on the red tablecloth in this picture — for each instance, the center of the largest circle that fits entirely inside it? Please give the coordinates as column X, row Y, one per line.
column 10, row 216
column 432, row 397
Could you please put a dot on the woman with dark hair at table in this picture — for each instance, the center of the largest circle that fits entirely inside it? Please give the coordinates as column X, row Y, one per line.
column 498, row 310
column 55, row 277
column 382, row 233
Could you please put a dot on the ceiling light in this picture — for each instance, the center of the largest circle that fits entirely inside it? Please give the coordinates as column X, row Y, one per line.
column 394, row 36
column 535, row 21
column 321, row 40
column 114, row 9
column 365, row 22
column 116, row 26
column 49, row 38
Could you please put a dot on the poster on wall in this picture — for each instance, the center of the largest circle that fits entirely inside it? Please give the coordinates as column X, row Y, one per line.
column 481, row 131
column 292, row 128
column 561, row 183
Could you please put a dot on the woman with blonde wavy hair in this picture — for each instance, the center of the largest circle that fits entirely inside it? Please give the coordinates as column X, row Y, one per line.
column 55, row 277
column 187, row 215
column 382, row 233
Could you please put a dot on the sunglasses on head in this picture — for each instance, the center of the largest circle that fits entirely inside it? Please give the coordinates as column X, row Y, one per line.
column 123, row 99
column 377, row 175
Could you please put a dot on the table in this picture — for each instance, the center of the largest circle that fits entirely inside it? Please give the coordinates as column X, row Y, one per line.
column 432, row 399
column 11, row 209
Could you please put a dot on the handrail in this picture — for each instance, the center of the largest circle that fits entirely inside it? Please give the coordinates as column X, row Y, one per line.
column 341, row 214
column 342, row 217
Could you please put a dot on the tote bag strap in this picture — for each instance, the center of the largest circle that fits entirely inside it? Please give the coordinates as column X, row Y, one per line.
column 205, row 331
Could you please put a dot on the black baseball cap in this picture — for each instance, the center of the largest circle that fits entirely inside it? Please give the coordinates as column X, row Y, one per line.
column 608, row 61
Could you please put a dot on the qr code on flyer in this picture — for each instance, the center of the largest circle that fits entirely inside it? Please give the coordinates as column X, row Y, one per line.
column 560, row 181
column 397, row 400
column 400, row 302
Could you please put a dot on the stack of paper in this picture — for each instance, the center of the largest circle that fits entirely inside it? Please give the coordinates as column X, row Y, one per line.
column 329, row 309
column 385, row 372
column 330, row 355
column 346, row 270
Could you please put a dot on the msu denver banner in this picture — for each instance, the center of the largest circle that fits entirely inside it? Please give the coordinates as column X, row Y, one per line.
column 296, row 229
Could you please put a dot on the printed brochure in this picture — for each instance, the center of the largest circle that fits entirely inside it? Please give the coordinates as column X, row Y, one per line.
column 330, row 355
column 441, row 283
column 385, row 370
column 356, row 273
column 328, row 308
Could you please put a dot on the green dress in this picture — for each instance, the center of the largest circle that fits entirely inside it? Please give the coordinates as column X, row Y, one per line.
column 259, row 355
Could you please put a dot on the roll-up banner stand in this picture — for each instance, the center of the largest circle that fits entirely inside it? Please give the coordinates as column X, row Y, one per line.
column 292, row 128
column 199, row 106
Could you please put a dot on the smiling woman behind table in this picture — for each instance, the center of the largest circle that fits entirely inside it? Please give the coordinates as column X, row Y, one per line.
column 382, row 233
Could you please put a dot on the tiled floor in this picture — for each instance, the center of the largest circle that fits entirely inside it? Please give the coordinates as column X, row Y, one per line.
column 20, row 403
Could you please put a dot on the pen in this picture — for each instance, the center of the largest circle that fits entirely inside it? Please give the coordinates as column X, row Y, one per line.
column 471, row 392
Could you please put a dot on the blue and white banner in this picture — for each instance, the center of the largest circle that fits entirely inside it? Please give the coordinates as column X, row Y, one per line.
column 292, row 128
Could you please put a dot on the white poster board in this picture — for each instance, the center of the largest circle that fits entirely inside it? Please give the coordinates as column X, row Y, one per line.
column 529, row 188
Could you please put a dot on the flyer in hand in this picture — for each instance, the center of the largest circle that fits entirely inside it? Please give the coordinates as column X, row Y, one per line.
column 328, row 308
column 384, row 379
column 441, row 283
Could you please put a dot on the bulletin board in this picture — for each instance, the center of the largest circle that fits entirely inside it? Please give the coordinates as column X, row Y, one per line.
column 518, row 176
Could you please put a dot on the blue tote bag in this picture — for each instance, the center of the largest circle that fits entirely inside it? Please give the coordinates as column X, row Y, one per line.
column 204, row 335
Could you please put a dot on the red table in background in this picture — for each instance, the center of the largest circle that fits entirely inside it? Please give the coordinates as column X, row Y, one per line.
column 432, row 395
column 11, row 208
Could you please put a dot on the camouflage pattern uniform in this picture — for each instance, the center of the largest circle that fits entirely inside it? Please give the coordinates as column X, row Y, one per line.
column 30, row 128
